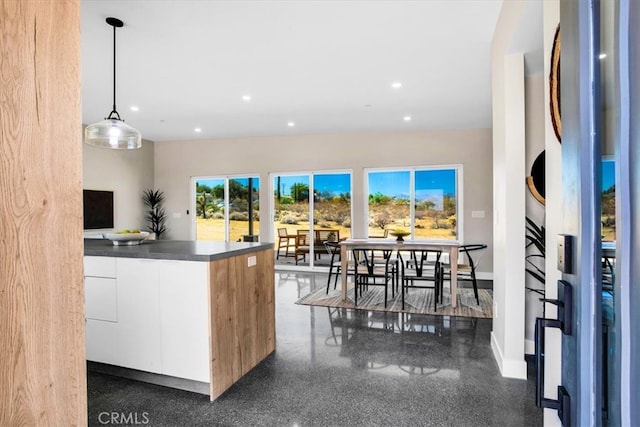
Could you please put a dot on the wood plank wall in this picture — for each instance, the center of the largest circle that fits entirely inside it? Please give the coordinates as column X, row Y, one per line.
column 242, row 312
column 42, row 353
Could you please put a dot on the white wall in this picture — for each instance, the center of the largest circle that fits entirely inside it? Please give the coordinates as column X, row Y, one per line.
column 535, row 144
column 176, row 162
column 507, row 337
column 125, row 172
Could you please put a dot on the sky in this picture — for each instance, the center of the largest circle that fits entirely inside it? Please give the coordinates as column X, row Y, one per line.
column 608, row 174
column 396, row 183
column 393, row 183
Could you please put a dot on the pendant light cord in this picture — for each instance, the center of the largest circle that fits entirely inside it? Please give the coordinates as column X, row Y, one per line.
column 114, row 112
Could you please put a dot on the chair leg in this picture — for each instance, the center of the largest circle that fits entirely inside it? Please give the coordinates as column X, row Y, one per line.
column 338, row 273
column 475, row 286
column 329, row 278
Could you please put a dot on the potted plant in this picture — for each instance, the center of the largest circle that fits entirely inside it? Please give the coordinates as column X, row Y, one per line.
column 537, row 251
column 156, row 215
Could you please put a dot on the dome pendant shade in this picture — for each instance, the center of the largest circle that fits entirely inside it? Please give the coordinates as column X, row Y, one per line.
column 113, row 132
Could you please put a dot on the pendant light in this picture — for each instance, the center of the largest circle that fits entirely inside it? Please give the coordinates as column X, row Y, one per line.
column 113, row 132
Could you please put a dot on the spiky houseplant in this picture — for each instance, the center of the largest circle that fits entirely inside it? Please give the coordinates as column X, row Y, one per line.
column 156, row 215
column 536, row 251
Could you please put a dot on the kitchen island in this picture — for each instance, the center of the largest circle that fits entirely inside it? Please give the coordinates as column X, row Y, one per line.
column 193, row 314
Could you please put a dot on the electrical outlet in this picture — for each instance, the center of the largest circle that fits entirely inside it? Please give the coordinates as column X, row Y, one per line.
column 251, row 261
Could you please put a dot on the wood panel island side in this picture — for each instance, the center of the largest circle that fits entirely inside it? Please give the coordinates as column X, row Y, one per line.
column 189, row 314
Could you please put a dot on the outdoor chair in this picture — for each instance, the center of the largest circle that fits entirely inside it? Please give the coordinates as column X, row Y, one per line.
column 284, row 242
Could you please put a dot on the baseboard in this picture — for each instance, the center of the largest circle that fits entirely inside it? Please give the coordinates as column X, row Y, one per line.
column 149, row 377
column 509, row 368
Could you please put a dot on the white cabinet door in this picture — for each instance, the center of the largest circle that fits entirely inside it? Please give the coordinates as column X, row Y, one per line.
column 101, row 340
column 100, row 299
column 100, row 266
column 138, row 314
column 184, row 319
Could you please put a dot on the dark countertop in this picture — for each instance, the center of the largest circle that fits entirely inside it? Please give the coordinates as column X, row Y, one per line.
column 185, row 250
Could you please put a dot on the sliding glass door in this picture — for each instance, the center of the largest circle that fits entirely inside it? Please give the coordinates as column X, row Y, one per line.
column 227, row 209
column 310, row 208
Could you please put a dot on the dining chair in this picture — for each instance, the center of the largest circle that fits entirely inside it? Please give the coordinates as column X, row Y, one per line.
column 467, row 265
column 284, row 239
column 418, row 266
column 368, row 272
column 335, row 263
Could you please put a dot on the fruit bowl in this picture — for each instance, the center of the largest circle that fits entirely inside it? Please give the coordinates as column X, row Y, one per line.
column 400, row 234
column 119, row 239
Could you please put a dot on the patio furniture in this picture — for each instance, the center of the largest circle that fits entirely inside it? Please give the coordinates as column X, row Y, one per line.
column 303, row 243
column 284, row 242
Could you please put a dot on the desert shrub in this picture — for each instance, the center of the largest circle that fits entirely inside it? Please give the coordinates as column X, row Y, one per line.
column 304, row 217
column 452, row 221
column 218, row 215
column 419, row 226
column 239, row 216
column 347, row 223
column 289, row 219
column 325, row 225
column 382, row 219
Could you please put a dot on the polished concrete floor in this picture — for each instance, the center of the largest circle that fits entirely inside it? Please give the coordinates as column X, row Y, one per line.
column 341, row 368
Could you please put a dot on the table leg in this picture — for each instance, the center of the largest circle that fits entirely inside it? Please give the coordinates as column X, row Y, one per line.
column 344, row 270
column 453, row 261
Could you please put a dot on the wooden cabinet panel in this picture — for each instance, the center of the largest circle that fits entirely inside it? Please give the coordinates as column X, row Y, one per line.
column 242, row 317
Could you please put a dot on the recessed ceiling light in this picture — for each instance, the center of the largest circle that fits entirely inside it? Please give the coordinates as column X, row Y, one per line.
column 246, row 98
column 291, row 124
column 602, row 56
column 135, row 108
column 407, row 118
column 198, row 130
column 396, row 85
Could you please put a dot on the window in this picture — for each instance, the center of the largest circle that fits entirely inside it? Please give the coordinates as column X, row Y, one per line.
column 423, row 201
column 227, row 209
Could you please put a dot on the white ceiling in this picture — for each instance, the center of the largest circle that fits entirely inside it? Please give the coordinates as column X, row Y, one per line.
column 327, row 66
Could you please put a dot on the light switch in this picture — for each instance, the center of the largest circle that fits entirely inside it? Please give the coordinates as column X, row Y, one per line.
column 477, row 214
column 177, row 215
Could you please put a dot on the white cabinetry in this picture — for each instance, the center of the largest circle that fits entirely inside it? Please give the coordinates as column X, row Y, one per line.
column 184, row 319
column 101, row 309
column 148, row 314
column 138, row 314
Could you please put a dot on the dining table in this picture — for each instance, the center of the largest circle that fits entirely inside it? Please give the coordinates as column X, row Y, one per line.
column 449, row 246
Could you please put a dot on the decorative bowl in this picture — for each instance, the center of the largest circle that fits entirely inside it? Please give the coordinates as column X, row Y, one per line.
column 119, row 239
column 400, row 234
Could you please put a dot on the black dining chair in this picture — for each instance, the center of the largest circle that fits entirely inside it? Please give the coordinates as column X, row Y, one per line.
column 469, row 257
column 367, row 271
column 417, row 267
column 335, row 263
